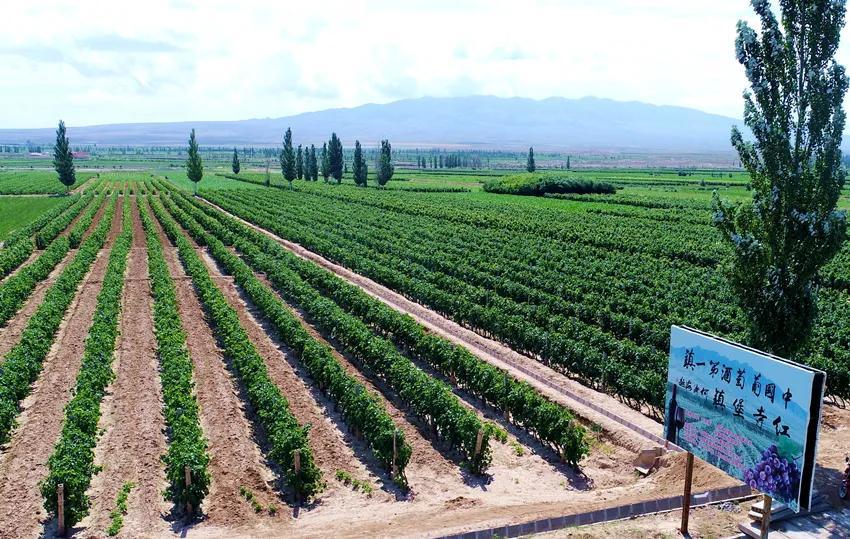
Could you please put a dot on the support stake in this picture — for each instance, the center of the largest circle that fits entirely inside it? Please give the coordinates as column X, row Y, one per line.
column 686, row 498
column 60, row 508
column 187, row 477
column 478, row 441
column 395, row 455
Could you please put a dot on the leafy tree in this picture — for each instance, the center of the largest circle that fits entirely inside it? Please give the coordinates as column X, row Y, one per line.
column 287, row 158
column 299, row 163
column 326, row 167
column 568, row 162
column 194, row 166
column 385, row 163
column 235, row 165
column 359, row 165
column 335, row 158
column 63, row 159
column 791, row 227
column 530, row 166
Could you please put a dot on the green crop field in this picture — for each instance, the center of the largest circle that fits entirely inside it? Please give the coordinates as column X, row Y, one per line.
column 589, row 284
column 16, row 212
column 31, row 182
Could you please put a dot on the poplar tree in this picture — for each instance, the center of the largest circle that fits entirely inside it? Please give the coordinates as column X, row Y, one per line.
column 530, row 166
column 63, row 159
column 359, row 169
column 326, row 168
column 335, row 158
column 194, row 166
column 791, row 227
column 235, row 165
column 287, row 158
column 385, row 163
column 314, row 164
column 299, row 163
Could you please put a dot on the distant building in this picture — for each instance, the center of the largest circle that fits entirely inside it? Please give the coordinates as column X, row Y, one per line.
column 80, row 155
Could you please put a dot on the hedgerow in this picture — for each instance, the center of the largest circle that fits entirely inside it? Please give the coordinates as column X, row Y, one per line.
column 539, row 184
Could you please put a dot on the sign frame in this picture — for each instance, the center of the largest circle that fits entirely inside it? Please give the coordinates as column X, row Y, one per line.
column 812, row 408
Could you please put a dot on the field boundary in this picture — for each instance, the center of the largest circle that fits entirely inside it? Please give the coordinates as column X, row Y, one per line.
column 478, row 345
column 608, row 514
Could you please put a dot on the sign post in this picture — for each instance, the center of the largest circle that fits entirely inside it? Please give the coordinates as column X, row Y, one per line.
column 686, row 497
column 751, row 414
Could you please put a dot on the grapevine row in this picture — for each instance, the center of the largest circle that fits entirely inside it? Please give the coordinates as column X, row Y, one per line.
column 428, row 398
column 72, row 461
column 284, row 433
column 582, row 349
column 552, row 423
column 186, row 443
column 23, row 363
column 19, row 246
column 361, row 410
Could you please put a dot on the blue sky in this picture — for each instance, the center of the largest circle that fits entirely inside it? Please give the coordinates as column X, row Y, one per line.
column 158, row 60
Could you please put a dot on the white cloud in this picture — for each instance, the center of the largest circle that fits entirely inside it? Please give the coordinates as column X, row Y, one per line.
column 94, row 62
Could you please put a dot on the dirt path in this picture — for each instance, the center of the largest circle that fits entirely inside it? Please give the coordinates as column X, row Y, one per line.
column 10, row 333
column 24, row 462
column 134, row 441
column 627, row 425
column 235, row 457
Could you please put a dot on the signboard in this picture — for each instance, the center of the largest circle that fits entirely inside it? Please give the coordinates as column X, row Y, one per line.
column 753, row 415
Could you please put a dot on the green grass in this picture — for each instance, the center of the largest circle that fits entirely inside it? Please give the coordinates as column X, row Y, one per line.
column 16, row 212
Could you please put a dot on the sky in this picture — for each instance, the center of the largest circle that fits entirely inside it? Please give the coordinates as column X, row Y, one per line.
column 94, row 62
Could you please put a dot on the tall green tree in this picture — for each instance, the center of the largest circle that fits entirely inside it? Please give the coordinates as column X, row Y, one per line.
column 530, row 166
column 385, row 163
column 299, row 163
column 314, row 164
column 63, row 159
column 235, row 164
column 287, row 158
column 336, row 161
column 791, row 227
column 194, row 166
column 568, row 162
column 326, row 166
column 359, row 168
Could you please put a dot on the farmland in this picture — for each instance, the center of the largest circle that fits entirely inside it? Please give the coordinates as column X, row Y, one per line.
column 278, row 361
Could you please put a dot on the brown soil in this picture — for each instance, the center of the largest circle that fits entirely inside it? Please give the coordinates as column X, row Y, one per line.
column 10, row 333
column 23, row 463
column 236, row 460
column 134, row 441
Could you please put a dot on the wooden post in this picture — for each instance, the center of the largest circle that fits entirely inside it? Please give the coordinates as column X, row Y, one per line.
column 478, row 441
column 187, row 477
column 296, row 464
column 60, row 508
column 395, row 455
column 765, row 516
column 686, row 498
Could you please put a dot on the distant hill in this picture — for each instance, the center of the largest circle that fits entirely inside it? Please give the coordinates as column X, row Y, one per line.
column 478, row 121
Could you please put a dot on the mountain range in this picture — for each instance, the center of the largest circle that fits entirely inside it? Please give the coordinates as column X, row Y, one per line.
column 488, row 122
